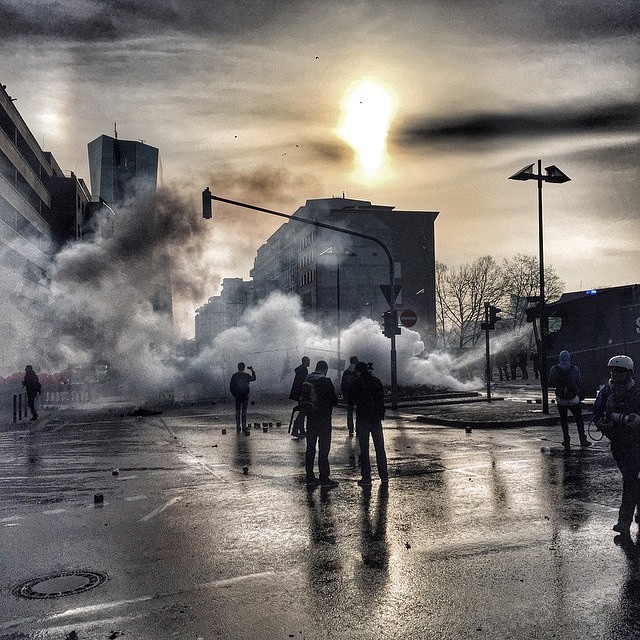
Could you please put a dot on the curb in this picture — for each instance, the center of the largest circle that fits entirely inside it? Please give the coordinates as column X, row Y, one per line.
column 488, row 424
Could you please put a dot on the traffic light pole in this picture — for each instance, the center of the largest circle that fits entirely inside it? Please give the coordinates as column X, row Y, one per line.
column 488, row 354
column 207, row 196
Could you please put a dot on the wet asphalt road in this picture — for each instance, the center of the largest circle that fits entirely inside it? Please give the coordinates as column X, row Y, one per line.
column 479, row 535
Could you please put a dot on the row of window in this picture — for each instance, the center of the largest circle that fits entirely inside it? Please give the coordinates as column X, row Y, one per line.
column 14, row 219
column 307, row 277
column 307, row 239
column 18, row 182
column 7, row 125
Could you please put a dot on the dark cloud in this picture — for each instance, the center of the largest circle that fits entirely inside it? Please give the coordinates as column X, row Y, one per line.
column 118, row 19
column 487, row 128
column 543, row 20
column 86, row 20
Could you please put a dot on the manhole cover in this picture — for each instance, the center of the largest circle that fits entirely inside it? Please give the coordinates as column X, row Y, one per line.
column 57, row 585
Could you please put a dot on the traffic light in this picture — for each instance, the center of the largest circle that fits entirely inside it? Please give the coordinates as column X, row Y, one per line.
column 390, row 323
column 492, row 318
column 206, row 204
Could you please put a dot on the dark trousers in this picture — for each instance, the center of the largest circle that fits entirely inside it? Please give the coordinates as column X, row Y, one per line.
column 298, row 424
column 626, row 453
column 350, row 418
column 576, row 410
column 364, row 428
column 241, row 412
column 318, row 435
column 31, row 403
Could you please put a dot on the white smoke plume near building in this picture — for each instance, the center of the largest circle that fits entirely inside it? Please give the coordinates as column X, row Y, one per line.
column 99, row 311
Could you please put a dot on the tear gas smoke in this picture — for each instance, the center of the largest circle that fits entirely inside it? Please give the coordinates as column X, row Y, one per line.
column 102, row 307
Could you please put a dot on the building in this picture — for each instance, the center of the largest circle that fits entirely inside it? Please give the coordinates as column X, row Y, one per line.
column 223, row 311
column 124, row 173
column 122, row 169
column 343, row 276
column 35, row 220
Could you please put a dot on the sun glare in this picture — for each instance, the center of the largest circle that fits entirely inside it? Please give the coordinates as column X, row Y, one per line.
column 367, row 113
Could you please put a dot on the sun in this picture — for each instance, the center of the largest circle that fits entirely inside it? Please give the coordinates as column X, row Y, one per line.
column 367, row 114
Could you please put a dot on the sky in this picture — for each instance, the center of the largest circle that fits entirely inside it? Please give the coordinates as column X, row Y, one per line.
column 423, row 105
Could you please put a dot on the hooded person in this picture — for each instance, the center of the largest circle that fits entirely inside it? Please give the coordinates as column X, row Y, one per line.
column 567, row 381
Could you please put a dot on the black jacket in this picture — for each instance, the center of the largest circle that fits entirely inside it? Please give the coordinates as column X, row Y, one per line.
column 367, row 394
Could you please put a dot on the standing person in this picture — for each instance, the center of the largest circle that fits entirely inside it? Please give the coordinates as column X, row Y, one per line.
column 367, row 394
column 566, row 379
column 535, row 361
column 239, row 387
column 522, row 363
column 348, row 377
column 323, row 397
column 300, row 375
column 616, row 413
column 32, row 384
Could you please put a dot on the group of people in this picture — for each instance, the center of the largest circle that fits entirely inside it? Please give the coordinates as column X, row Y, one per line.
column 315, row 395
column 616, row 413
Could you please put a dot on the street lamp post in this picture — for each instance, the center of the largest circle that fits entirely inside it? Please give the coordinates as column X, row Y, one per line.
column 207, row 197
column 554, row 175
column 338, row 252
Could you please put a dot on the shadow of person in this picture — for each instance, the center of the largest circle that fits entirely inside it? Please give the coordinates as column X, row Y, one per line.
column 372, row 573
column 623, row 621
column 242, row 458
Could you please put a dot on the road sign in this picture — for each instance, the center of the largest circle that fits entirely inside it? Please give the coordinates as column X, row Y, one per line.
column 408, row 318
column 386, row 290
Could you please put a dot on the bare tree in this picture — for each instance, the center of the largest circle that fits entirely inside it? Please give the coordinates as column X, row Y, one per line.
column 521, row 280
column 462, row 294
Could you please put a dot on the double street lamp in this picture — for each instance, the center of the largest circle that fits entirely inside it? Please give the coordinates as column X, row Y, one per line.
column 554, row 175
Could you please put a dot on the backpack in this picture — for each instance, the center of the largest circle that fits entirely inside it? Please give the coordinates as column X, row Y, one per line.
column 242, row 387
column 567, row 388
column 308, row 396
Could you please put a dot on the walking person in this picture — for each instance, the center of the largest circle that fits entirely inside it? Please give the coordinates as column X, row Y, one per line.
column 33, row 387
column 367, row 394
column 346, row 382
column 239, row 387
column 300, row 375
column 617, row 415
column 323, row 398
column 566, row 379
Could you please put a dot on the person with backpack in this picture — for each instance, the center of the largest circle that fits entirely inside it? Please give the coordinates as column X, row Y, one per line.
column 300, row 375
column 33, row 387
column 367, row 394
column 348, row 377
column 567, row 381
column 320, row 394
column 239, row 387
column 616, row 412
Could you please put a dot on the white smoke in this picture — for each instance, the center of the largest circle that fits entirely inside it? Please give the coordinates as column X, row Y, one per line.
column 274, row 336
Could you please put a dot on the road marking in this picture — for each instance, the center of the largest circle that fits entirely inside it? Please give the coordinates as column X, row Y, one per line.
column 155, row 512
column 134, row 498
column 52, row 511
column 11, row 518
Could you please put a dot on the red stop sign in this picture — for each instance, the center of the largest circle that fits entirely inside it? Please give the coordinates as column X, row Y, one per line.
column 408, row 318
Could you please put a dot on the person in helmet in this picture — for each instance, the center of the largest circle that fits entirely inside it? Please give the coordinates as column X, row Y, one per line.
column 617, row 415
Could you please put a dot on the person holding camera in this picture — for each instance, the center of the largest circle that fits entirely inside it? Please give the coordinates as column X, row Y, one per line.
column 367, row 394
column 239, row 387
